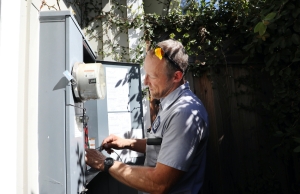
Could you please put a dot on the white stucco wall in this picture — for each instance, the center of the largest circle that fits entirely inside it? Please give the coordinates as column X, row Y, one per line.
column 19, row 41
column 9, row 95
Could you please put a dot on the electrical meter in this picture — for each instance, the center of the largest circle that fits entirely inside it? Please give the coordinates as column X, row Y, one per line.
column 90, row 81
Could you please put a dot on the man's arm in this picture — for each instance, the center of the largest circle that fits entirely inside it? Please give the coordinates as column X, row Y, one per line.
column 115, row 142
column 154, row 180
column 138, row 145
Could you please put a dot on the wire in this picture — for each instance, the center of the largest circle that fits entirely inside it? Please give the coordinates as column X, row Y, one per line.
column 119, row 157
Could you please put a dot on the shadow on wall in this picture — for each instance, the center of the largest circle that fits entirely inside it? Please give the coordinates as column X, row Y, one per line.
column 81, row 11
column 80, row 163
column 133, row 74
column 91, row 17
column 86, row 12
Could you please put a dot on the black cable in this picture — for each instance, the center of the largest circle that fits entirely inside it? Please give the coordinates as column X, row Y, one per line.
column 100, row 150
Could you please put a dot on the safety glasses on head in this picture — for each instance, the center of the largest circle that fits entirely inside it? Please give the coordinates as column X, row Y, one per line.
column 159, row 52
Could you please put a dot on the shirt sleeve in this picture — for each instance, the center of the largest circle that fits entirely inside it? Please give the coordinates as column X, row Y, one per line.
column 181, row 137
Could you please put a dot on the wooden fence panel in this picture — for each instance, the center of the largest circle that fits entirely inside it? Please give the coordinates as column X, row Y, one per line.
column 206, row 94
column 240, row 157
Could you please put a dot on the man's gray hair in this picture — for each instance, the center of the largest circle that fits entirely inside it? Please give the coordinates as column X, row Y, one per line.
column 176, row 53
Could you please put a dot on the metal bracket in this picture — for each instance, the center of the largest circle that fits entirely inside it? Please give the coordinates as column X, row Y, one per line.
column 69, row 77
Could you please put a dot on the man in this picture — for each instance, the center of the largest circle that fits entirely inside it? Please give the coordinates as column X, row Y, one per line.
column 177, row 164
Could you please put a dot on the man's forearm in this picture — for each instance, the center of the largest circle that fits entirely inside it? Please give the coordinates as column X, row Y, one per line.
column 138, row 145
column 138, row 177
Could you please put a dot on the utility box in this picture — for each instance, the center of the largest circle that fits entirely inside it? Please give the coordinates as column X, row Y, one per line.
column 70, row 82
column 60, row 122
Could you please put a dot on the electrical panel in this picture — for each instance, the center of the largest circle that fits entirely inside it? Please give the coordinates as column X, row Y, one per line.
column 67, row 79
column 77, row 93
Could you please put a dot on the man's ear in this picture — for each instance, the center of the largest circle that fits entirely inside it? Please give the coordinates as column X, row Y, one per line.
column 178, row 76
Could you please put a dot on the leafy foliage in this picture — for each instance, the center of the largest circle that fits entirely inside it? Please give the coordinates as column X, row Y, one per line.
column 265, row 30
column 278, row 42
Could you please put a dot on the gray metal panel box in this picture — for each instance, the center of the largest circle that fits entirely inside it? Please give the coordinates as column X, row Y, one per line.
column 61, row 139
column 62, row 169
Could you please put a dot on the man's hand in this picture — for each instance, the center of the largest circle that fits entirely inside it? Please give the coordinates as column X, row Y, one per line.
column 94, row 159
column 114, row 142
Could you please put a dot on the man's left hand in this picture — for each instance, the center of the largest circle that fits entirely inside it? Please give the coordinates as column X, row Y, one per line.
column 94, row 159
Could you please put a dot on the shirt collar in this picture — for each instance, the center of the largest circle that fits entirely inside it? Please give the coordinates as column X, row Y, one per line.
column 166, row 101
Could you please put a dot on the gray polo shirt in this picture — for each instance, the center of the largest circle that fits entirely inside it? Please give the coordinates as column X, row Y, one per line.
column 182, row 123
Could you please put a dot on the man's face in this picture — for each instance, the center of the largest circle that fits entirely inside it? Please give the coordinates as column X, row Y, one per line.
column 156, row 77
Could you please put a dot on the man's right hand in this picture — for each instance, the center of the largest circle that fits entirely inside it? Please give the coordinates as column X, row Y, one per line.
column 115, row 142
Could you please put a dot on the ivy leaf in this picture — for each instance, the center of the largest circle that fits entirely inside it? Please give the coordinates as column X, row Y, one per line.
column 172, row 35
column 282, row 43
column 297, row 56
column 247, row 47
column 270, row 16
column 245, row 60
column 290, row 6
column 297, row 149
column 297, row 140
column 256, row 28
column 288, row 71
column 186, row 35
column 296, row 27
column 274, row 45
column 270, row 61
column 296, row 13
column 261, row 28
column 296, row 39
column 278, row 134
